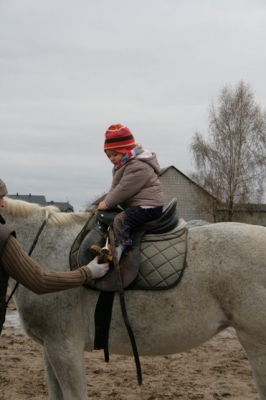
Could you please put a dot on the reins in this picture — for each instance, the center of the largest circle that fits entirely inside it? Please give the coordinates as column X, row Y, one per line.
column 47, row 215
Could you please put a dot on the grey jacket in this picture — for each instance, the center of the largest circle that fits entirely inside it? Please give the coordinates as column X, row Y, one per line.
column 136, row 183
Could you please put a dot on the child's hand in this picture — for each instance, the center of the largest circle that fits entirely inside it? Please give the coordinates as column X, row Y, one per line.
column 102, row 206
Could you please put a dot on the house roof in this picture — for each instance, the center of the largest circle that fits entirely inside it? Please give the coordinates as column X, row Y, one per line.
column 163, row 170
column 41, row 200
column 66, row 207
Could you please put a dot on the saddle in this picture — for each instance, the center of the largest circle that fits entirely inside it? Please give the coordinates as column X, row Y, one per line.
column 158, row 250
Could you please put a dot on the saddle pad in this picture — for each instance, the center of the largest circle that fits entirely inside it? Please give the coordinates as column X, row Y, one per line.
column 162, row 261
column 162, row 258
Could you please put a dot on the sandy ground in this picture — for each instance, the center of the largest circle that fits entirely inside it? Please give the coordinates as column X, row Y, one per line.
column 217, row 370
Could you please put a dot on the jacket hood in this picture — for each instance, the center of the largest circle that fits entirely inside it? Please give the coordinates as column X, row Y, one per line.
column 151, row 159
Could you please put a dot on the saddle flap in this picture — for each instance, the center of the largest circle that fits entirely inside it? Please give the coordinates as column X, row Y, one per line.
column 129, row 268
column 129, row 263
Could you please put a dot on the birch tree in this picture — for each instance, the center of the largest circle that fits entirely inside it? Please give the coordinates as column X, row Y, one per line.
column 231, row 161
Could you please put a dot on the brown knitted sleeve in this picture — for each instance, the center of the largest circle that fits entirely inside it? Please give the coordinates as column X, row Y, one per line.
column 28, row 272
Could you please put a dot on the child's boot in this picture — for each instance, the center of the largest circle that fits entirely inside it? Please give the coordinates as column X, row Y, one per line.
column 119, row 251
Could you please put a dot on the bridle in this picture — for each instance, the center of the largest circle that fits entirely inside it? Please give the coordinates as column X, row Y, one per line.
column 47, row 215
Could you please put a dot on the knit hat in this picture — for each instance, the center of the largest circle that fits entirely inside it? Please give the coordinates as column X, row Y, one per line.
column 3, row 189
column 119, row 138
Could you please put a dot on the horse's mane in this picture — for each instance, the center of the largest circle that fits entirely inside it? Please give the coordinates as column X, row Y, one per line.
column 21, row 208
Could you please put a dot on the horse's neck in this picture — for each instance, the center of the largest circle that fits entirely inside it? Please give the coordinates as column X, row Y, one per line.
column 26, row 228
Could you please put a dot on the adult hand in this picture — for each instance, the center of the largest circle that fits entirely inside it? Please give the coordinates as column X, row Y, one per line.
column 97, row 270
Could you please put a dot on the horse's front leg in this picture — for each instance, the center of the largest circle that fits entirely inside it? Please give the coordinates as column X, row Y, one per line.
column 65, row 368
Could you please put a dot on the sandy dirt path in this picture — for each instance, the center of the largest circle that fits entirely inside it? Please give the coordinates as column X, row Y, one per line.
column 217, row 370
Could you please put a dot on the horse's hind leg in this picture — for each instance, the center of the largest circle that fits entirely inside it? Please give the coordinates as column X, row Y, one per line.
column 256, row 353
column 54, row 389
column 251, row 331
column 66, row 371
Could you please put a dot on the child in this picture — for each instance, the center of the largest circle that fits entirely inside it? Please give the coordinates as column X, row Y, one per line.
column 135, row 187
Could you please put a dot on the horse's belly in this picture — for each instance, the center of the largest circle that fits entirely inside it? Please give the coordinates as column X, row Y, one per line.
column 164, row 326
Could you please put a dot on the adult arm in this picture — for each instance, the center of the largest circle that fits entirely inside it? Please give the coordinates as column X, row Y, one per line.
column 28, row 272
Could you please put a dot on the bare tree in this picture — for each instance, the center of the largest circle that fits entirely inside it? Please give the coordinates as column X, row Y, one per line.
column 231, row 164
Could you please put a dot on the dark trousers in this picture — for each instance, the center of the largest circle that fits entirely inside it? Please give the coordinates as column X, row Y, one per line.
column 132, row 218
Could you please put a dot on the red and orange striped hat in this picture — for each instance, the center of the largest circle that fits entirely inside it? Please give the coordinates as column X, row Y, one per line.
column 119, row 138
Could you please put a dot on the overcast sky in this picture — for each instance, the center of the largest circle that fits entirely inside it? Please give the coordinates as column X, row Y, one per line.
column 69, row 69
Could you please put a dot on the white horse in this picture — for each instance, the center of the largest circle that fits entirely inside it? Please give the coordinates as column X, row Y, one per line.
column 224, row 285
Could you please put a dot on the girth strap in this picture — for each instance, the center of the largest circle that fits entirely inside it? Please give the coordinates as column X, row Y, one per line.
column 102, row 319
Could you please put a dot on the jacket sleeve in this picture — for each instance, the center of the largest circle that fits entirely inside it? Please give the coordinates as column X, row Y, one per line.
column 135, row 177
column 28, row 272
